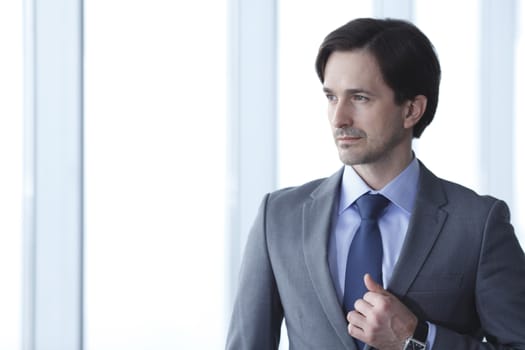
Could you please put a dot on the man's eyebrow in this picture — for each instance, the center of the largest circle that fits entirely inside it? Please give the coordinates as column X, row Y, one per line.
column 349, row 91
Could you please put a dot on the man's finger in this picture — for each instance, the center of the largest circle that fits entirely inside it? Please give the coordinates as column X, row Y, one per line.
column 356, row 319
column 362, row 306
column 372, row 285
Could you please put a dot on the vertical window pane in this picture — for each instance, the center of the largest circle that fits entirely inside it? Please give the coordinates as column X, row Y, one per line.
column 457, row 117
column 155, row 153
column 518, row 215
column 306, row 148
column 11, row 132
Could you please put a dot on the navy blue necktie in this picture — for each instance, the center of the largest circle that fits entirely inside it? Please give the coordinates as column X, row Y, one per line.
column 366, row 251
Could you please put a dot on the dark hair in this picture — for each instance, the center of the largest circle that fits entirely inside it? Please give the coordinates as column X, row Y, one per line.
column 405, row 56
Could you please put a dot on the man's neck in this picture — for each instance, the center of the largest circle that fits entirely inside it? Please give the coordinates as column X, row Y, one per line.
column 378, row 174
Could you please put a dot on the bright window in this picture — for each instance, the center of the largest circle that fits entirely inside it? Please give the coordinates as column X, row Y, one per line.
column 11, row 156
column 306, row 148
column 155, row 124
column 451, row 142
column 518, row 215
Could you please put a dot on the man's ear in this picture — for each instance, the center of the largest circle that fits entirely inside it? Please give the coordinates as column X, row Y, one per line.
column 414, row 110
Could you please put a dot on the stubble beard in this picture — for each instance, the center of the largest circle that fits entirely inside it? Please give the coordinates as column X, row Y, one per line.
column 368, row 154
column 350, row 156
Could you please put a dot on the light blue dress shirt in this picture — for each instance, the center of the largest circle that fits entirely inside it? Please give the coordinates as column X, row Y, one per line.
column 393, row 224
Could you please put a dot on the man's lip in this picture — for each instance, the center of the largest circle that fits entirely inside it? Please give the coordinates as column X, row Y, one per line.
column 348, row 138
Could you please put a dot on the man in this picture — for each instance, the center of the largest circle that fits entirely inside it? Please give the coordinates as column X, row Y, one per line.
column 435, row 266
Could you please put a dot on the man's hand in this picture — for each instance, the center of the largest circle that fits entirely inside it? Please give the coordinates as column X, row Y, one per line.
column 380, row 319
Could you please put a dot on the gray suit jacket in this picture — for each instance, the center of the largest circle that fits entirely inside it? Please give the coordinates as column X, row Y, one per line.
column 461, row 268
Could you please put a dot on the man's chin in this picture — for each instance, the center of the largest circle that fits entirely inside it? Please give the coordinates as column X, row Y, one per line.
column 349, row 158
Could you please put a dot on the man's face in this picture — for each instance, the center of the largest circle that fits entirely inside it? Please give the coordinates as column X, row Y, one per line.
column 368, row 126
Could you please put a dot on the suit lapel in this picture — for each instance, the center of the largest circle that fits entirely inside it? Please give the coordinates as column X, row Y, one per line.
column 317, row 215
column 426, row 222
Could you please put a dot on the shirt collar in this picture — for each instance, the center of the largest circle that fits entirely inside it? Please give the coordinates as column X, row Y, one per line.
column 401, row 190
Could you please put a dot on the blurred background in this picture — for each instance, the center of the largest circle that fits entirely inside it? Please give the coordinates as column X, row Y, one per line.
column 138, row 137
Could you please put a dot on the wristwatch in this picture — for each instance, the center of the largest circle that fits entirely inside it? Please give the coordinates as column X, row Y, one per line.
column 419, row 340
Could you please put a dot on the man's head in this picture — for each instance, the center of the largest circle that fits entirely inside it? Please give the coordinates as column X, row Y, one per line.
column 405, row 56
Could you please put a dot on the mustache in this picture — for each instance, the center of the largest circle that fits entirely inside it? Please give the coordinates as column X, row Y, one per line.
column 349, row 132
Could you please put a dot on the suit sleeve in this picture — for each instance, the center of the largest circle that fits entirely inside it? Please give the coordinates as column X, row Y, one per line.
column 257, row 312
column 500, row 290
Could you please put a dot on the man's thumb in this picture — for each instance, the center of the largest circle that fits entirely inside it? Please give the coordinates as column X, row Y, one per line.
column 372, row 285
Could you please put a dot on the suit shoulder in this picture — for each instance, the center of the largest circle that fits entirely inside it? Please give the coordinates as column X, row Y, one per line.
column 435, row 187
column 457, row 191
column 461, row 197
column 294, row 197
column 296, row 193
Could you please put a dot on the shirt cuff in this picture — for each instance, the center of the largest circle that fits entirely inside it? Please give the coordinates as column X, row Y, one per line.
column 431, row 336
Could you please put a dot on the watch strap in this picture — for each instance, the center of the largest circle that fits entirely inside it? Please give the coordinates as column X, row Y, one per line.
column 421, row 332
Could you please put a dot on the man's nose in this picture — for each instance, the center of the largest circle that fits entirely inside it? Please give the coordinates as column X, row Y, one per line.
column 342, row 115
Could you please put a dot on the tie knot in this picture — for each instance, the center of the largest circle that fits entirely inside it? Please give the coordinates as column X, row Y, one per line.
column 371, row 205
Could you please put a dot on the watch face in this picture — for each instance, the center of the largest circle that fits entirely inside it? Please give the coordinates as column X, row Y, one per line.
column 413, row 344
column 417, row 346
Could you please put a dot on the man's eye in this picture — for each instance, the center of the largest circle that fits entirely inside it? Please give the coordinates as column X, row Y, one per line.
column 360, row 98
column 331, row 98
